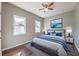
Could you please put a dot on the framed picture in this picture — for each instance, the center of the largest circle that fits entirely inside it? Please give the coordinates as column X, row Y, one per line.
column 56, row 23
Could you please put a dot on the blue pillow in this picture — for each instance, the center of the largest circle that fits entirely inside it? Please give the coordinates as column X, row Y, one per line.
column 48, row 33
column 58, row 34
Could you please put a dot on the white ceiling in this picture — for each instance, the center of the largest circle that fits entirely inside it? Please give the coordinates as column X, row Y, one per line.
column 59, row 7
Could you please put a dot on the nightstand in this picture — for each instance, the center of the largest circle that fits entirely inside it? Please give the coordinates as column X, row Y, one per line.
column 69, row 40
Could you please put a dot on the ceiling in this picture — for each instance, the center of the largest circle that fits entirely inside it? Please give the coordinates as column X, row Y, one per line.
column 33, row 7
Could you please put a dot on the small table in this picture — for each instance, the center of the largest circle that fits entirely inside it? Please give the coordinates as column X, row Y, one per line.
column 70, row 43
column 69, row 40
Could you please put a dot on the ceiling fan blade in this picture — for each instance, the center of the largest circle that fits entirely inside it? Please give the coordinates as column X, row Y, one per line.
column 44, row 5
column 50, row 4
column 50, row 8
column 41, row 9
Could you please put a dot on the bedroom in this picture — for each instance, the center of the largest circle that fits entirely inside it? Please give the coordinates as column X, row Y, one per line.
column 28, row 31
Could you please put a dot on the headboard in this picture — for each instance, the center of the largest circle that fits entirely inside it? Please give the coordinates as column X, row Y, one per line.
column 57, row 30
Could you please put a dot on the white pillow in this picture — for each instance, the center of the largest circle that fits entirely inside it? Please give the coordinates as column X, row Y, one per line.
column 58, row 37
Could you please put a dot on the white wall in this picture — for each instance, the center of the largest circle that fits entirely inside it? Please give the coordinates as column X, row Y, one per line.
column 76, row 27
column 68, row 18
column 0, row 28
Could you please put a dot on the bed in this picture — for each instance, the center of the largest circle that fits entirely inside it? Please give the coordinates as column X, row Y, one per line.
column 51, row 45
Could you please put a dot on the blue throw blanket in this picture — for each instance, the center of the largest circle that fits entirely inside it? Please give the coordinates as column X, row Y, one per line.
column 56, row 40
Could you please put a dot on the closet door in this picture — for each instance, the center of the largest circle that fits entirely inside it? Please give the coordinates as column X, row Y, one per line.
column 0, row 30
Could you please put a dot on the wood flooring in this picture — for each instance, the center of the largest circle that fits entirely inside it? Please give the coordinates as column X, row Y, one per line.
column 17, row 51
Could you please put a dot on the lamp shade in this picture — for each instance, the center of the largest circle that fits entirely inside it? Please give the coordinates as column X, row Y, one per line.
column 68, row 31
column 45, row 31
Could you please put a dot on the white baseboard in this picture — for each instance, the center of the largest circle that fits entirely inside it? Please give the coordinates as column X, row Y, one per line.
column 77, row 47
column 15, row 45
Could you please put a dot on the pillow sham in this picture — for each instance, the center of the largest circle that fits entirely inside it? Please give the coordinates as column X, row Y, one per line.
column 58, row 33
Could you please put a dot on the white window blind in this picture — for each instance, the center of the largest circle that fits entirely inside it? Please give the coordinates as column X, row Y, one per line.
column 37, row 26
column 19, row 25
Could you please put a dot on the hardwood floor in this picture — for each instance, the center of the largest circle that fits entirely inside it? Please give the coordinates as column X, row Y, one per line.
column 18, row 51
column 24, row 51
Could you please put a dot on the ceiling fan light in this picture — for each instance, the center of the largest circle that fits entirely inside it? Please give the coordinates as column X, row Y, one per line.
column 46, row 9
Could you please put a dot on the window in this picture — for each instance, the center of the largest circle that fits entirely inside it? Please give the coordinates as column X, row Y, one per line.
column 37, row 26
column 19, row 25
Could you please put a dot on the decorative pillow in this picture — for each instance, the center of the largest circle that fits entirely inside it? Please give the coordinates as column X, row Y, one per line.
column 48, row 33
column 45, row 36
column 58, row 33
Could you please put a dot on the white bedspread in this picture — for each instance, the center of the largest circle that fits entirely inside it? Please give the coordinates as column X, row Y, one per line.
column 52, row 45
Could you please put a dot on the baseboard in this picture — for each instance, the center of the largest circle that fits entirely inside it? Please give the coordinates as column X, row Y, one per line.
column 16, row 45
column 76, row 47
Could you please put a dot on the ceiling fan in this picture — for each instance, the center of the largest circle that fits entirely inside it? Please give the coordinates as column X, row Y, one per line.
column 47, row 6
